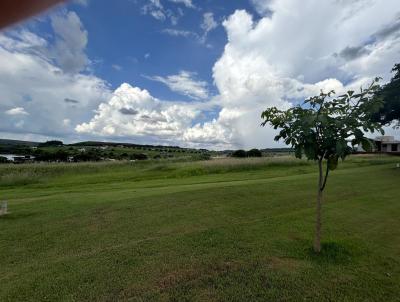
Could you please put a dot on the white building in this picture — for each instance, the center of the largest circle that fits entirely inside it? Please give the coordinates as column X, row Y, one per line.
column 387, row 144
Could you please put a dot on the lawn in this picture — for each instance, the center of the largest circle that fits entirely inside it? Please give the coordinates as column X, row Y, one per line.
column 221, row 230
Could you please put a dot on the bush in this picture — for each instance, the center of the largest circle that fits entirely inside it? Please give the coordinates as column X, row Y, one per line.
column 139, row 156
column 239, row 153
column 254, row 153
column 3, row 160
column 53, row 143
column 201, row 156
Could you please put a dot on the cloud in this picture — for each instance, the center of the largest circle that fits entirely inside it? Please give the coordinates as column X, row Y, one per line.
column 82, row 2
column 185, row 83
column 71, row 101
column 208, row 22
column 71, row 41
column 31, row 82
column 17, row 111
column 132, row 112
column 116, row 67
column 351, row 53
column 207, row 25
column 262, row 6
column 187, row 3
column 284, row 58
column 388, row 30
column 157, row 10
column 128, row 111
column 179, row 33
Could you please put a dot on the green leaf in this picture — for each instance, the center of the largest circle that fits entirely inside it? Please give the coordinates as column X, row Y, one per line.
column 366, row 145
column 298, row 151
column 333, row 162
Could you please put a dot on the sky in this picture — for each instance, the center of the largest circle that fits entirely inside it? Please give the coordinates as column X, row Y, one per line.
column 193, row 73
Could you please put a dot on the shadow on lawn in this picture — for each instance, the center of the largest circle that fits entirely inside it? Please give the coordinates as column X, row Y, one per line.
column 334, row 253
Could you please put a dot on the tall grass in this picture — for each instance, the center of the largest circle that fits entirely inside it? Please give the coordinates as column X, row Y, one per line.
column 12, row 175
column 18, row 175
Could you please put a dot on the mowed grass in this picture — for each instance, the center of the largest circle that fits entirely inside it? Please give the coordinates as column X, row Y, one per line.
column 221, row 230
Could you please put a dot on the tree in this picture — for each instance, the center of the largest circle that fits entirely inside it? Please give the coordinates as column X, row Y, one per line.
column 320, row 130
column 390, row 93
column 254, row 153
column 53, row 143
column 239, row 153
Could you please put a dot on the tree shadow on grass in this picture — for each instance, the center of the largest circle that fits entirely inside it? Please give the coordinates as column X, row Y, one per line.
column 334, row 253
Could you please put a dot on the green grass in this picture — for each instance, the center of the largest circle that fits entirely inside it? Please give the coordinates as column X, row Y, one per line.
column 225, row 230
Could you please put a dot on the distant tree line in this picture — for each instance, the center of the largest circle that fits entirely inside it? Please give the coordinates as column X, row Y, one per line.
column 53, row 143
column 250, row 153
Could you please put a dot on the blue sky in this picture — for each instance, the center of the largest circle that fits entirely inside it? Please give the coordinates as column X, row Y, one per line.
column 185, row 72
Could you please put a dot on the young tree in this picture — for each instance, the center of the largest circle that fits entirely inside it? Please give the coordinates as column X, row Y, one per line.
column 321, row 128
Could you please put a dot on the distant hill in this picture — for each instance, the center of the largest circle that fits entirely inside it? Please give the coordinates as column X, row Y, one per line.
column 12, row 142
column 15, row 143
column 129, row 145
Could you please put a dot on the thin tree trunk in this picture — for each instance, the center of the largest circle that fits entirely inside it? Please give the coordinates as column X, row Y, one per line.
column 317, row 239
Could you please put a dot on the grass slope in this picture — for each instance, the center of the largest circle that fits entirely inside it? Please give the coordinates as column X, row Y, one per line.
column 233, row 230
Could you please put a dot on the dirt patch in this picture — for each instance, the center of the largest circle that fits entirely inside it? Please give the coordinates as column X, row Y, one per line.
column 281, row 263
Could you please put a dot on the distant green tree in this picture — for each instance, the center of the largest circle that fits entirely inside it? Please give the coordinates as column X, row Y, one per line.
column 254, row 153
column 320, row 130
column 53, row 143
column 390, row 94
column 3, row 160
column 138, row 156
column 239, row 153
column 201, row 156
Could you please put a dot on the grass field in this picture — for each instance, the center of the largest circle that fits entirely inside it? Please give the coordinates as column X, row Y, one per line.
column 221, row 230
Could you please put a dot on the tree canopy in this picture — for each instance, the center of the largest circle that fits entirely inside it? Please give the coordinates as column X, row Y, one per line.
column 321, row 127
column 390, row 94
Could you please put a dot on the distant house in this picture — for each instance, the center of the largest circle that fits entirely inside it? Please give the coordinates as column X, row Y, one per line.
column 23, row 159
column 387, row 144
column 384, row 144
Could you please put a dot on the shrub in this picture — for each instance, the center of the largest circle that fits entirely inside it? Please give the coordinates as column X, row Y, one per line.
column 239, row 153
column 139, row 156
column 254, row 153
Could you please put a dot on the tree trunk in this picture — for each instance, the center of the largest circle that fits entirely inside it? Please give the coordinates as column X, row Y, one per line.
column 317, row 239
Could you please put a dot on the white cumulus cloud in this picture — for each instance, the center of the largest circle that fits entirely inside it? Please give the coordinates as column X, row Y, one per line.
column 132, row 112
column 30, row 82
column 17, row 111
column 292, row 55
